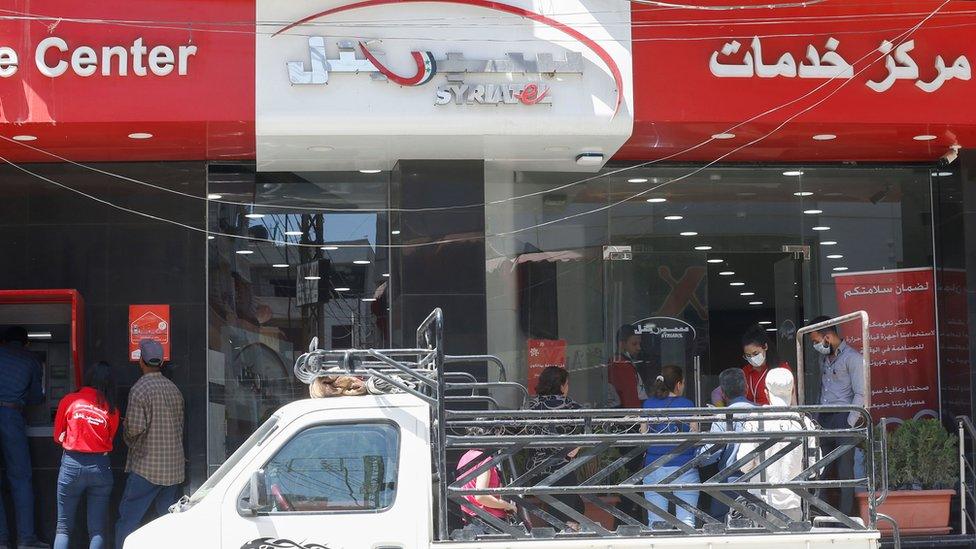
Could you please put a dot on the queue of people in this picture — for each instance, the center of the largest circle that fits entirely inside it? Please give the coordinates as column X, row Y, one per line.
column 763, row 381
column 85, row 426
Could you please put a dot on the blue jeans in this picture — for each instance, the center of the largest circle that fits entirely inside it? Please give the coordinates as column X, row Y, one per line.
column 688, row 496
column 138, row 497
column 16, row 455
column 83, row 475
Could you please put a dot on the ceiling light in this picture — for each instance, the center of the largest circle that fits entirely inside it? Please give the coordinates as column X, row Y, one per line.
column 395, row 232
column 824, row 137
column 793, row 173
column 637, row 180
column 673, row 218
column 244, row 252
column 39, row 335
column 840, row 268
column 771, row 330
column 726, row 273
column 723, row 136
column 211, row 237
column 765, row 322
column 369, row 299
column 835, row 256
column 25, row 138
column 321, row 148
column 821, row 228
column 689, row 233
column 747, row 294
column 313, row 277
column 716, row 260
column 330, row 248
column 925, row 137
column 294, row 233
column 214, row 196
column 253, row 216
column 280, row 265
column 342, row 289
column 944, row 174
column 657, row 200
column 386, row 275
column 140, row 135
column 829, row 243
column 803, row 193
column 737, row 283
column 755, row 303
column 370, row 171
column 361, row 262
column 813, row 212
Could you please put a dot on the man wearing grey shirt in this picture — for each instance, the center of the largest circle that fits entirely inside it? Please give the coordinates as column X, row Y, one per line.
column 842, row 384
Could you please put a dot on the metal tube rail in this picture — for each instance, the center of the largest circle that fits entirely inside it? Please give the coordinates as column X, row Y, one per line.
column 865, row 351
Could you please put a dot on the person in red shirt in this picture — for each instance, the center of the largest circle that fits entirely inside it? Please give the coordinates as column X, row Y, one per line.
column 85, row 426
column 759, row 355
column 624, row 375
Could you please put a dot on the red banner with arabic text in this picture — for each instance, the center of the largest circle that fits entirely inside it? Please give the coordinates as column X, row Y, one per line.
column 904, row 358
column 542, row 354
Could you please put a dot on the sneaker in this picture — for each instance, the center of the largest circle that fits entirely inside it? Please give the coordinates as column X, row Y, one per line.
column 36, row 544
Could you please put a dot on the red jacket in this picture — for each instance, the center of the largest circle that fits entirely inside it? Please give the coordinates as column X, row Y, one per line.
column 756, row 383
column 82, row 424
column 623, row 376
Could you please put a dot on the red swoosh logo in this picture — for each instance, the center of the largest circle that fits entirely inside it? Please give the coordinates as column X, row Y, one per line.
column 496, row 6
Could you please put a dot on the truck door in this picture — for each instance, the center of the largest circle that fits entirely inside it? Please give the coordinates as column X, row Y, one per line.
column 339, row 484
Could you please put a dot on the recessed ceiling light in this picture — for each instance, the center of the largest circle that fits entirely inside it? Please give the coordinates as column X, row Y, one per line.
column 244, row 252
column 313, row 278
column 214, row 196
column 673, row 218
column 342, row 289
column 657, row 200
column 771, row 330
column 386, row 275
column 280, row 265
column 211, row 237
column 370, row 171
column 824, row 137
column 140, row 135
column 747, row 294
column 829, row 243
column 765, row 322
column 793, row 173
column 637, row 180
column 369, row 299
column 361, row 262
column 943, row 174
column 723, row 136
column 835, row 256
column 25, row 138
column 813, row 212
column 294, row 233
column 803, row 193
column 703, row 248
column 395, row 232
column 737, row 283
column 925, row 137
column 253, row 216
column 689, row 233
column 840, row 268
column 755, row 303
column 330, row 248
column 726, row 273
column 321, row 148
column 716, row 260
column 821, row 228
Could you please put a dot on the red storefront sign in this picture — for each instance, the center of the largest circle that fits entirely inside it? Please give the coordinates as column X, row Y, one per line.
column 148, row 322
column 904, row 354
column 544, row 353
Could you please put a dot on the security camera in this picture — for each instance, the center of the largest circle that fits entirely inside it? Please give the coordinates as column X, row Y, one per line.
column 949, row 157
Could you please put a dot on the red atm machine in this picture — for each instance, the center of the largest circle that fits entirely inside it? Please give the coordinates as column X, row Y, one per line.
column 54, row 320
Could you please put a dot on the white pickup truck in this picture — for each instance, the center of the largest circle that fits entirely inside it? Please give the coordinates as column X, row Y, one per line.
column 355, row 472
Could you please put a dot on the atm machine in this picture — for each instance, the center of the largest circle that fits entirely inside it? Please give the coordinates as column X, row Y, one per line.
column 54, row 320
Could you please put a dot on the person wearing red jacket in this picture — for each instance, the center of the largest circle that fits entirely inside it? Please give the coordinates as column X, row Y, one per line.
column 85, row 426
column 624, row 375
column 760, row 357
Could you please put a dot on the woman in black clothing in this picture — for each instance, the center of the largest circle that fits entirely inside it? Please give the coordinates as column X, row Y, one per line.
column 552, row 391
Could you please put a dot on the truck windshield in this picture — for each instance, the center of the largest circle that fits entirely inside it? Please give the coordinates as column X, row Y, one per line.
column 255, row 439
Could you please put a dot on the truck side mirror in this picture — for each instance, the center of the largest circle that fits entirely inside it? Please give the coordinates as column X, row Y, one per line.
column 257, row 493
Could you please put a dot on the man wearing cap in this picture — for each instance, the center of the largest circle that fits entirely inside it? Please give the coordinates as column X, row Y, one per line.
column 779, row 389
column 153, row 430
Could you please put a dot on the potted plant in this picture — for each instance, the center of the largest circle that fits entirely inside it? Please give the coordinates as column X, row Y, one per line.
column 923, row 467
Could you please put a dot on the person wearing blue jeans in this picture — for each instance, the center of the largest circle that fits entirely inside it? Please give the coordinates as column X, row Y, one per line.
column 20, row 385
column 668, row 388
column 83, row 475
column 138, row 497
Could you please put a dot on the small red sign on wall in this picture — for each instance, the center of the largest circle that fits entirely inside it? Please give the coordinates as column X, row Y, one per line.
column 542, row 354
column 148, row 322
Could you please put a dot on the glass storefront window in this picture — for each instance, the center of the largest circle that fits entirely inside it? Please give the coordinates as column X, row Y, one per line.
column 306, row 261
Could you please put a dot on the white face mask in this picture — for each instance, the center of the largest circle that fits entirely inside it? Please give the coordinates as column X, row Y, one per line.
column 757, row 360
column 823, row 348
